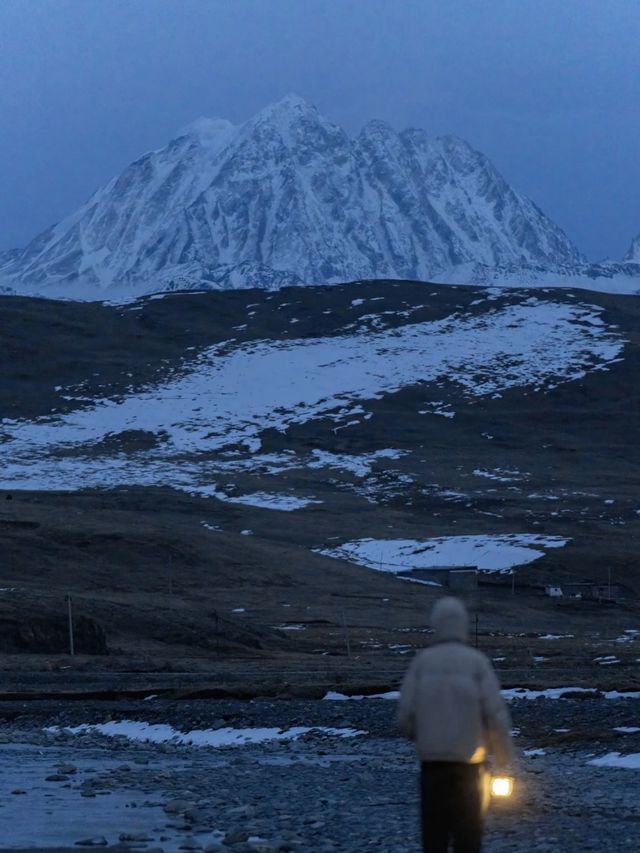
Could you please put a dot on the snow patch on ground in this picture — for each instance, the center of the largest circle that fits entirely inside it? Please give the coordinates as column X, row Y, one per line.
column 560, row 692
column 264, row 500
column 496, row 553
column 615, row 759
column 332, row 696
column 359, row 465
column 508, row 694
column 555, row 636
column 500, row 475
column 232, row 392
column 218, row 738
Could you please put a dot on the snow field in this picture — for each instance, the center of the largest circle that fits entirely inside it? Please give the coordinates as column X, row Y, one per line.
column 229, row 398
column 497, row 553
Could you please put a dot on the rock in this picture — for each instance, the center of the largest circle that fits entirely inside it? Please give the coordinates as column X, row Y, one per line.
column 18, row 791
column 98, row 841
column 56, row 777
column 235, row 837
column 195, row 815
column 134, row 836
column 67, row 769
column 241, row 811
column 177, row 806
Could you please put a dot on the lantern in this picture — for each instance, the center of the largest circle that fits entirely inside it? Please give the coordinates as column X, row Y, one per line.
column 501, row 786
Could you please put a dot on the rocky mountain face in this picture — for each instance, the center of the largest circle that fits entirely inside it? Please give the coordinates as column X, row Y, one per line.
column 288, row 197
column 633, row 255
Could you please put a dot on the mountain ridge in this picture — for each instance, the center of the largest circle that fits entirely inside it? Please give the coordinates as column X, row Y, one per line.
column 288, row 197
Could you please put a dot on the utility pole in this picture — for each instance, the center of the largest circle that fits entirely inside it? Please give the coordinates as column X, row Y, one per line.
column 72, row 648
column 345, row 631
column 217, row 621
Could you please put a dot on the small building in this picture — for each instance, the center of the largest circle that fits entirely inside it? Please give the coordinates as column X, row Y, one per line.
column 460, row 579
column 604, row 592
column 553, row 591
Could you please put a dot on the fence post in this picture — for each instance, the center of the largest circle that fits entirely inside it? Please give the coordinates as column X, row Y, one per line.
column 72, row 648
column 346, row 634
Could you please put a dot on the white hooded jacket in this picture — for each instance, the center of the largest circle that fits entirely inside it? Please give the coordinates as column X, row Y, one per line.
column 450, row 703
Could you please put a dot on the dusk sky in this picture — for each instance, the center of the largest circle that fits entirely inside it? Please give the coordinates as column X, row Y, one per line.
column 549, row 90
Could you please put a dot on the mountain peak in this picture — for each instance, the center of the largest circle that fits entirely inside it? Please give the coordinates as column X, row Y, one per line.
column 633, row 254
column 377, row 128
column 291, row 107
column 207, row 129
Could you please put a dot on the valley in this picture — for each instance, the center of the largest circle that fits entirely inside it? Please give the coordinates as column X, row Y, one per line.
column 248, row 491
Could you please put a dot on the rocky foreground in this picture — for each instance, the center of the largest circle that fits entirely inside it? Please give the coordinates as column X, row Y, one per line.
column 340, row 777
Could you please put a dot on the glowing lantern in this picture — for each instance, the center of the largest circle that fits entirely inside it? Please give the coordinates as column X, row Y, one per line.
column 501, row 786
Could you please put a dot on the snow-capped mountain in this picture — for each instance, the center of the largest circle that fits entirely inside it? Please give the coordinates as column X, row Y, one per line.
column 288, row 197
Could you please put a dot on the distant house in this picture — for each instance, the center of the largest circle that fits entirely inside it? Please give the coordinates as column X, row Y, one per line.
column 605, row 592
column 458, row 579
column 602, row 592
column 553, row 591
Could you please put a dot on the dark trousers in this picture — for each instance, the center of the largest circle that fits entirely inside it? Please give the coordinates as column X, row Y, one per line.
column 451, row 806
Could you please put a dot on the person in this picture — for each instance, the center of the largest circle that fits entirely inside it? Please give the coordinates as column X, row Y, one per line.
column 451, row 708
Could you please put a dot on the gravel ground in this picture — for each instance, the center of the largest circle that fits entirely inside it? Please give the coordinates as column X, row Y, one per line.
column 316, row 793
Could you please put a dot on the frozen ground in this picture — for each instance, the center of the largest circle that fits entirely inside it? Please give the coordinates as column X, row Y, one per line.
column 576, row 780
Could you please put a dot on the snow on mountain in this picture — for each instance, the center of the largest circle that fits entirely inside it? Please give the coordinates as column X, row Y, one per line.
column 609, row 277
column 633, row 255
column 288, row 197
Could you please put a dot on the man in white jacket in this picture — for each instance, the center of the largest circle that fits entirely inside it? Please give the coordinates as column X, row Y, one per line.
column 451, row 708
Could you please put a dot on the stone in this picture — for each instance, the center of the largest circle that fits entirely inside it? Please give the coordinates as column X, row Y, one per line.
column 235, row 837
column 134, row 836
column 176, row 806
column 97, row 841
column 195, row 815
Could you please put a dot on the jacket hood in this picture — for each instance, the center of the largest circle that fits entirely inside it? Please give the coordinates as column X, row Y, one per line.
column 450, row 620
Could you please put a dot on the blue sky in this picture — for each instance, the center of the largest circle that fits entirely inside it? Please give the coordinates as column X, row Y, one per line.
column 548, row 89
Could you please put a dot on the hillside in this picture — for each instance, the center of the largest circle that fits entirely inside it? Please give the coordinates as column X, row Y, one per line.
column 241, row 479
